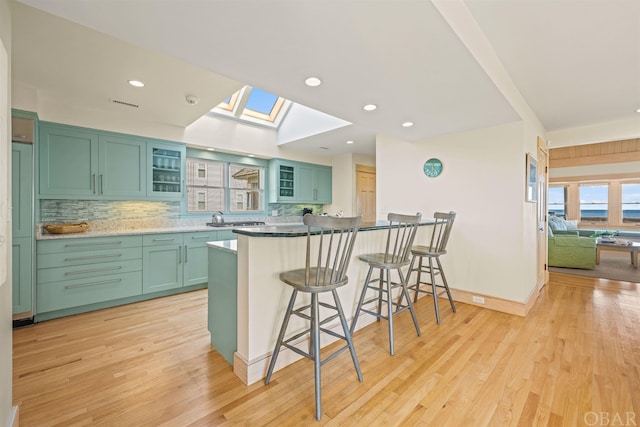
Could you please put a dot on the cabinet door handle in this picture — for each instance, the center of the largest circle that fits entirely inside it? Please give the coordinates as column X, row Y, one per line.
column 101, row 184
column 75, row 245
column 186, row 254
column 82, row 258
column 204, row 236
column 95, row 270
column 180, row 255
column 94, row 183
column 84, row 285
column 315, row 194
column 165, row 239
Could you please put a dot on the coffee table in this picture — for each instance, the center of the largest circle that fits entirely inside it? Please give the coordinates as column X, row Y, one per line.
column 632, row 249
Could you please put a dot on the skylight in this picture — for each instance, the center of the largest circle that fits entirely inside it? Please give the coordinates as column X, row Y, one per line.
column 253, row 105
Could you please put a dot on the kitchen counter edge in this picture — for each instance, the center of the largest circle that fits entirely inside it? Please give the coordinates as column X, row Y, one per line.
column 301, row 230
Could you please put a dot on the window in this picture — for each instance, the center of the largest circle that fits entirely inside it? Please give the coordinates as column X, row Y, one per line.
column 246, row 187
column 253, row 105
column 558, row 200
column 631, row 202
column 594, row 203
column 211, row 183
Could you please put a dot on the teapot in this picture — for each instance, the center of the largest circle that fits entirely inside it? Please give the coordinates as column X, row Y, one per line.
column 217, row 218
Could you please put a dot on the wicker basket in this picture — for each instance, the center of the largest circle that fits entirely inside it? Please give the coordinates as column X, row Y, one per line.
column 67, row 228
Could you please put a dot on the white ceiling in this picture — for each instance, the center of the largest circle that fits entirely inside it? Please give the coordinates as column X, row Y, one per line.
column 575, row 62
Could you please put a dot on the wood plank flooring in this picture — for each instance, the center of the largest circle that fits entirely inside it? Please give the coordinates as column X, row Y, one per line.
column 575, row 360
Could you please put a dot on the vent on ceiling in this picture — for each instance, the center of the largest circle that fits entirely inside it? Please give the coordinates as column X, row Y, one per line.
column 128, row 104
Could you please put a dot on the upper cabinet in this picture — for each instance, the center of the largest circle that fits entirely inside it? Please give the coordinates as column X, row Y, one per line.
column 166, row 170
column 122, row 167
column 297, row 182
column 68, row 162
column 81, row 163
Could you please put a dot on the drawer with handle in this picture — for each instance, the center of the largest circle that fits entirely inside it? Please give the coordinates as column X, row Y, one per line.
column 162, row 239
column 47, row 275
column 88, row 257
column 87, row 244
column 77, row 292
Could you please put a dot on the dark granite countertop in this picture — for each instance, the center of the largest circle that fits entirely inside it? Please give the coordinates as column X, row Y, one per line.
column 301, row 229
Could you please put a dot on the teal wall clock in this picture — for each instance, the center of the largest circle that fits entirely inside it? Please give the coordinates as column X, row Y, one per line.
column 432, row 168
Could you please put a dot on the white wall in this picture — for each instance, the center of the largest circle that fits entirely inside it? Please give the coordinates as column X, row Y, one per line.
column 6, row 346
column 491, row 250
column 206, row 132
column 600, row 132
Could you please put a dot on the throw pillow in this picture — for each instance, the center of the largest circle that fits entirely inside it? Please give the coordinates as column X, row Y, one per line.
column 560, row 225
column 571, row 224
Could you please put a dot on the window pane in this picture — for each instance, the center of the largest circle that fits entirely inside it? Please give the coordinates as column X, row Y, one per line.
column 594, row 206
column 205, row 185
column 631, row 202
column 246, row 184
column 558, row 200
column 261, row 101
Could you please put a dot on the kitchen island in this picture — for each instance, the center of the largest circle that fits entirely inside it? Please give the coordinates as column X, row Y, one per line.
column 262, row 253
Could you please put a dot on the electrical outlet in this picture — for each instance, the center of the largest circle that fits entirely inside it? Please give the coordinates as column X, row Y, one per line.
column 479, row 300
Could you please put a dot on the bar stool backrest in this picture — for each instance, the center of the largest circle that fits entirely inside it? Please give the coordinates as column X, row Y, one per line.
column 402, row 232
column 441, row 231
column 337, row 235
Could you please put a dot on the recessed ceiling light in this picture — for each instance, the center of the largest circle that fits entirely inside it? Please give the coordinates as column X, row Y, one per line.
column 370, row 107
column 136, row 83
column 313, row 81
column 349, row 142
column 407, row 124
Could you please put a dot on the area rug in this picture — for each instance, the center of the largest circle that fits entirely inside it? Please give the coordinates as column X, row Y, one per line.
column 613, row 265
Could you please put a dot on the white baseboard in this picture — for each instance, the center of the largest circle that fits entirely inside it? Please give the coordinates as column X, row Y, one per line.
column 14, row 421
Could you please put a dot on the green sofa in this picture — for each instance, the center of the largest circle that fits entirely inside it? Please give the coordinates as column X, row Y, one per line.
column 568, row 249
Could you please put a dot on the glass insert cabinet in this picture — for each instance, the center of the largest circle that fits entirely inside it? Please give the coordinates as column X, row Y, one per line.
column 167, row 170
column 286, row 181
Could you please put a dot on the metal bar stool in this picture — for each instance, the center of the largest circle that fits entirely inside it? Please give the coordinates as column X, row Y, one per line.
column 323, row 273
column 436, row 247
column 402, row 231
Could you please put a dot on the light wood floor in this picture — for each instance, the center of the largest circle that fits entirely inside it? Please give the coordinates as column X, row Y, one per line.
column 576, row 356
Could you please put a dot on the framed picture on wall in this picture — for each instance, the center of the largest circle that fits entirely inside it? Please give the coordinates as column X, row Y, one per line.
column 531, row 192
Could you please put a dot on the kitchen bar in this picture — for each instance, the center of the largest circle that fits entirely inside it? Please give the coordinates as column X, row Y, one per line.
column 262, row 253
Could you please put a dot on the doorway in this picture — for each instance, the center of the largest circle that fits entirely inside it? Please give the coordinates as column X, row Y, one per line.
column 366, row 193
column 542, row 242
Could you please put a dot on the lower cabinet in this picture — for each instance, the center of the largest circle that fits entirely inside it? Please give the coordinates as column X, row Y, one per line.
column 76, row 272
column 174, row 260
column 22, row 275
column 81, row 271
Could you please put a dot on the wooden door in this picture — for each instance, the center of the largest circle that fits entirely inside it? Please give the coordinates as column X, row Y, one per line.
column 366, row 193
column 542, row 242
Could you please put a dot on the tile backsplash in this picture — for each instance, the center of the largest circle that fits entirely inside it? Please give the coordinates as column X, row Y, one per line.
column 102, row 210
column 71, row 211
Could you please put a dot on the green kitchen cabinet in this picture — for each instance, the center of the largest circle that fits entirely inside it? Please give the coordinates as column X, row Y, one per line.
column 282, row 181
column 222, row 320
column 22, row 227
column 22, row 275
column 298, row 182
column 122, row 168
column 166, row 171
column 77, row 272
column 68, row 162
column 22, row 189
column 196, row 257
column 174, row 260
column 162, row 262
column 76, row 163
column 314, row 184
